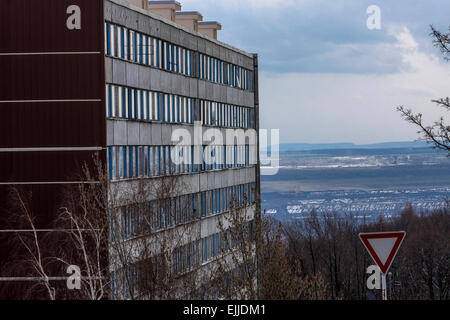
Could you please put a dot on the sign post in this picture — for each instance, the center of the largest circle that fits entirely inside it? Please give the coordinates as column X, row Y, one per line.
column 383, row 247
column 383, row 287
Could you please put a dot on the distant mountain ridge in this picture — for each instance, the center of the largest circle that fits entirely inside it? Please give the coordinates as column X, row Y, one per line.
column 284, row 147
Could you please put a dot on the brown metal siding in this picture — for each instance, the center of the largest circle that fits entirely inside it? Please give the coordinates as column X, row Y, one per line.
column 39, row 26
column 43, row 166
column 50, row 77
column 29, row 125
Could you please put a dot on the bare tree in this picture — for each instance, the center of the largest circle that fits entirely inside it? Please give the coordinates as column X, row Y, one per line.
column 234, row 271
column 422, row 270
column 152, row 223
column 328, row 244
column 437, row 133
column 136, row 239
column 31, row 242
column 83, row 232
column 441, row 41
column 282, row 276
column 74, row 236
column 128, row 235
column 256, row 261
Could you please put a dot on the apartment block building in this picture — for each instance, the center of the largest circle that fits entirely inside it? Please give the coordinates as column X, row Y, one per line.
column 125, row 81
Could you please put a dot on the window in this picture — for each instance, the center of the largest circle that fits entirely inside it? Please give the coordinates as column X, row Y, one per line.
column 223, row 115
column 127, row 162
column 137, row 47
column 139, row 219
column 130, row 103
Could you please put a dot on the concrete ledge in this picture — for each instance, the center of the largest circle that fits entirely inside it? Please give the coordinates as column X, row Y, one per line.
column 123, row 132
column 193, row 182
column 120, row 72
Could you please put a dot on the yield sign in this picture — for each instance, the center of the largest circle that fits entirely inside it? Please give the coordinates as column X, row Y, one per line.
column 383, row 247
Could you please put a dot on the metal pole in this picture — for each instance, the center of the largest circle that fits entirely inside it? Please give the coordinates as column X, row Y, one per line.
column 390, row 285
column 383, row 287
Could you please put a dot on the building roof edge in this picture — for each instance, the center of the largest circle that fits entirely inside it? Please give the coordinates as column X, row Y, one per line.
column 178, row 26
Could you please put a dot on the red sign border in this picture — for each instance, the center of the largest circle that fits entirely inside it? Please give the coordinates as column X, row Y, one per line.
column 400, row 235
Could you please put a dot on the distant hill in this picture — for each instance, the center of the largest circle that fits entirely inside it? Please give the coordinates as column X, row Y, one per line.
column 284, row 147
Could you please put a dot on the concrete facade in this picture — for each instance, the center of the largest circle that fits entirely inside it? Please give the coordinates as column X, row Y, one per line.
column 81, row 93
column 127, row 132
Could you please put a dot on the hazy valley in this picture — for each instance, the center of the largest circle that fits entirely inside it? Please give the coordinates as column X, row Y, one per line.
column 362, row 181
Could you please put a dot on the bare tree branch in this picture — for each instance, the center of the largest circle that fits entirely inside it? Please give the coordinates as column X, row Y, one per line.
column 437, row 134
column 441, row 41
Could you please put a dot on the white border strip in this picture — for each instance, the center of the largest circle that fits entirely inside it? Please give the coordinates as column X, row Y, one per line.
column 49, row 183
column 46, row 230
column 6, row 279
column 46, row 53
column 45, row 149
column 49, row 101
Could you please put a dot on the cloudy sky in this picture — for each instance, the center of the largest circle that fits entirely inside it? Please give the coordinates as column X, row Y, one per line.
column 325, row 77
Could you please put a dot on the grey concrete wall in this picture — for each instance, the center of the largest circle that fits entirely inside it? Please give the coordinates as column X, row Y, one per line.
column 133, row 75
column 176, row 237
column 210, row 225
column 141, row 133
column 125, row 132
column 194, row 183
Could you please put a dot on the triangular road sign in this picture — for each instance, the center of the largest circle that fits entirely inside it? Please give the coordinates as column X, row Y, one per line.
column 382, row 247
